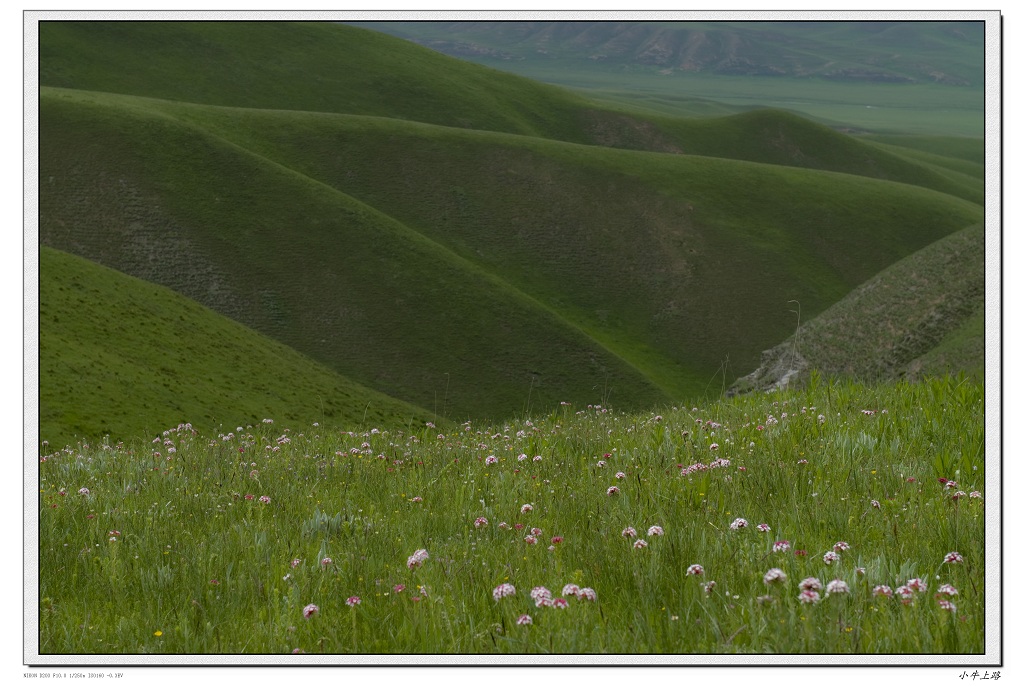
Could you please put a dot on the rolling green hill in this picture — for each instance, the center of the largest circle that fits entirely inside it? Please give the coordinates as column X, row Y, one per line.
column 126, row 358
column 924, row 315
column 408, row 256
column 335, row 68
column 469, row 242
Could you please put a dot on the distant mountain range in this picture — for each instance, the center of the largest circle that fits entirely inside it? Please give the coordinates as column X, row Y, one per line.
column 874, row 51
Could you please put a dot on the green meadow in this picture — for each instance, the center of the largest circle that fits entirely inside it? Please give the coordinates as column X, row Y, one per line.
column 349, row 347
column 842, row 519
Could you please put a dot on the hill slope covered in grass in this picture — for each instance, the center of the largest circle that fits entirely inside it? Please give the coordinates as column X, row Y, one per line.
column 419, row 259
column 473, row 267
column 342, row 69
column 923, row 315
column 124, row 358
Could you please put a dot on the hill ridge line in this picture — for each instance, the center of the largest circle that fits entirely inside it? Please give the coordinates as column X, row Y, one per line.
column 159, row 105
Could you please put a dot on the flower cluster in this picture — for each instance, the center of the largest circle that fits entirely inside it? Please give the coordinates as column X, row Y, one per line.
column 503, row 591
column 417, row 559
column 836, row 586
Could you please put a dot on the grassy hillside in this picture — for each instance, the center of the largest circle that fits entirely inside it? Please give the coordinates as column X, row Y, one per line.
column 922, row 316
column 311, row 266
column 418, row 259
column 470, row 267
column 124, row 358
column 342, row 69
column 320, row 67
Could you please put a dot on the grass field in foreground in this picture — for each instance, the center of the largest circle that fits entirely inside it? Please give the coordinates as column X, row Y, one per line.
column 843, row 519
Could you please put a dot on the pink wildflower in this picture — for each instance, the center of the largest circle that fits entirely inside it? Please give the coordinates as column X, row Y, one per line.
column 917, row 585
column 587, row 594
column 947, row 589
column 830, row 557
column 491, row 459
column 763, row 528
column 629, row 532
column 560, row 603
column 417, row 558
column 738, row 523
column 310, row 610
column 526, row 508
column 882, row 590
column 774, row 576
column 480, row 522
column 296, row 562
column 265, row 499
column 810, row 584
column 613, row 490
column 570, row 589
column 655, row 531
column 780, row 546
column 524, row 619
column 836, row 586
column 953, row 558
column 808, row 597
column 620, row 475
column 947, row 605
column 398, row 588
column 530, row 539
column 502, row 591
column 709, row 586
column 694, row 570
column 640, row 543
column 540, row 592
column 352, row 601
column 326, row 561
column 841, row 546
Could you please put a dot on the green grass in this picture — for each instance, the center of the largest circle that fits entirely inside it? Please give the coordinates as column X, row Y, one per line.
column 167, row 554
column 120, row 357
